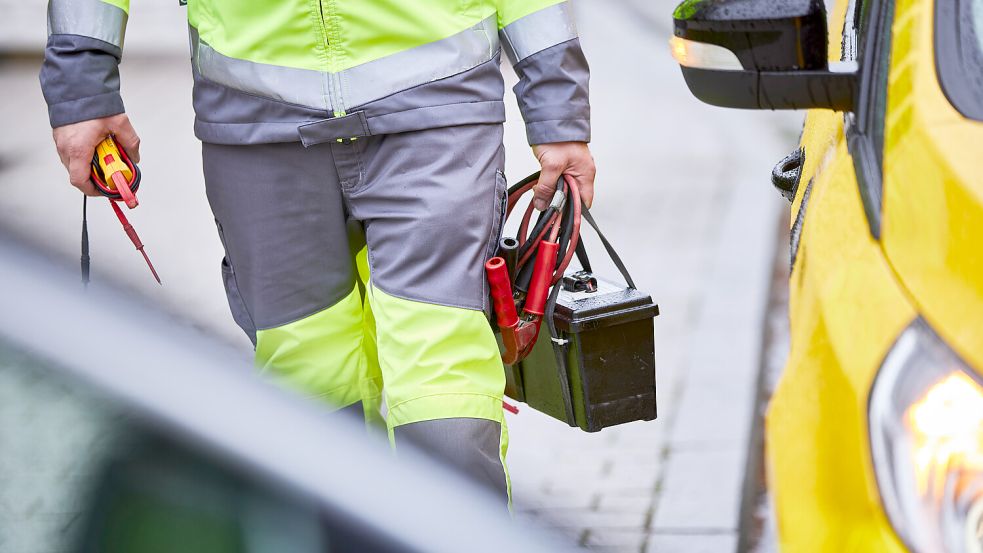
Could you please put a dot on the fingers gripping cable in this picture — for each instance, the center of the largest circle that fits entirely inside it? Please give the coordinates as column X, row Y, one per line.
column 530, row 264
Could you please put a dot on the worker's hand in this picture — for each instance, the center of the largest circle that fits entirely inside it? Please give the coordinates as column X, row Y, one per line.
column 563, row 158
column 77, row 142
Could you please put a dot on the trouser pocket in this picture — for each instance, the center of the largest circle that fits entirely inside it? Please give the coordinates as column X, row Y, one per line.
column 499, row 207
column 498, row 217
column 240, row 314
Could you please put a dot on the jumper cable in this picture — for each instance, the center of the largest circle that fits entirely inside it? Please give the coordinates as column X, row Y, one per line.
column 531, row 264
column 118, row 178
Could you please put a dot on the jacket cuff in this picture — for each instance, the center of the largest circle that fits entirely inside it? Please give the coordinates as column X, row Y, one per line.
column 83, row 109
column 553, row 94
column 563, row 130
column 80, row 79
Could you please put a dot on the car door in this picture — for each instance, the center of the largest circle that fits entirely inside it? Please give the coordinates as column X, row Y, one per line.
column 845, row 310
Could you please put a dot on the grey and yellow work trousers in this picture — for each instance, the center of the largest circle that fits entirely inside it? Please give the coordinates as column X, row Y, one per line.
column 303, row 230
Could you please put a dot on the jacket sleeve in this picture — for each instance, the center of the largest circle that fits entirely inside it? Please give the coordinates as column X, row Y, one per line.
column 540, row 39
column 80, row 74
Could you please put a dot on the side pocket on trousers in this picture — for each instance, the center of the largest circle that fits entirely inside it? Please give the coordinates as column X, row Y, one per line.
column 236, row 304
column 498, row 220
column 495, row 235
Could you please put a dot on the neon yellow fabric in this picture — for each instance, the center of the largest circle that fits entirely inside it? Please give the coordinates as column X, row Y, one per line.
column 437, row 362
column 279, row 33
column 319, row 355
column 334, row 35
column 368, row 31
column 121, row 4
column 371, row 376
column 503, row 449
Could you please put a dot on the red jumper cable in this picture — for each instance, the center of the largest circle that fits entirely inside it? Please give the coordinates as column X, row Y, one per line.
column 509, row 291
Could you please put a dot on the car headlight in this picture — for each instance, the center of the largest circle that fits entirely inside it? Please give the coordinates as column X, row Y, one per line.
column 926, row 433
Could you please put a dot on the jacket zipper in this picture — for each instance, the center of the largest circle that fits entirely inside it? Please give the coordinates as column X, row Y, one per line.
column 334, row 80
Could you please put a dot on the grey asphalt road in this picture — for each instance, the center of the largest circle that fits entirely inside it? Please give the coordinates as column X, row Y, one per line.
column 682, row 191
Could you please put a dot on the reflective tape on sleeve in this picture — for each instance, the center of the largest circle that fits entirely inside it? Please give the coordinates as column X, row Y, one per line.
column 90, row 18
column 538, row 31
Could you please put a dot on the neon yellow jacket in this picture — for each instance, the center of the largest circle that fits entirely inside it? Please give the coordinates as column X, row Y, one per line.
column 320, row 70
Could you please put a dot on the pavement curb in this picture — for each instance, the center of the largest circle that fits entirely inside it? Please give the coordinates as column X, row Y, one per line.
column 752, row 533
column 708, row 455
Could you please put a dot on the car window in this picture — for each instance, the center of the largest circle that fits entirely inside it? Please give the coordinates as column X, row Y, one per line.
column 959, row 54
column 880, row 50
column 82, row 473
column 55, row 438
column 865, row 126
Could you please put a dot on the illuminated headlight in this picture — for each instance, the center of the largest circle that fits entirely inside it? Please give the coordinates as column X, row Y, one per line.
column 926, row 433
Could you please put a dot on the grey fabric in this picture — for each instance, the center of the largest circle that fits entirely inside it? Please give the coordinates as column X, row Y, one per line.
column 553, row 94
column 538, row 31
column 447, row 115
column 281, row 217
column 358, row 85
column 240, row 314
column 80, row 79
column 224, row 115
column 428, row 204
column 228, row 116
column 429, row 201
column 91, row 18
column 471, row 446
column 352, row 125
column 353, row 410
column 356, row 125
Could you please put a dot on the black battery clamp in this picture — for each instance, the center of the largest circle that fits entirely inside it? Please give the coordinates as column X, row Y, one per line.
column 596, row 366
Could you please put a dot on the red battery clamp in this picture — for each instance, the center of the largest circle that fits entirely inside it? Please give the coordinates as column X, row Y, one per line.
column 521, row 279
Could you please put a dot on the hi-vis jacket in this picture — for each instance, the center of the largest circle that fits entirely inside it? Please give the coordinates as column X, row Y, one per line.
column 320, row 70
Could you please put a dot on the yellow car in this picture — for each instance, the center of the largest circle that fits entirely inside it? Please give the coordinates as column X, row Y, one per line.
column 875, row 432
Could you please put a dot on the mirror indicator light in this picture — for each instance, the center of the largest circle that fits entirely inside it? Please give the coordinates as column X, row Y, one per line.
column 700, row 55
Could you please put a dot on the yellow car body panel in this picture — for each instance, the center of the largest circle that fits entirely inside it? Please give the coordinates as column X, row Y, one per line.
column 846, row 309
column 933, row 189
column 852, row 295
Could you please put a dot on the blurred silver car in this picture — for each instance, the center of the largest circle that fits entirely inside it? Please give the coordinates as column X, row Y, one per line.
column 122, row 430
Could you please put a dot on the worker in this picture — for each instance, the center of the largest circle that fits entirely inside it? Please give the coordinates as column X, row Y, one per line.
column 342, row 139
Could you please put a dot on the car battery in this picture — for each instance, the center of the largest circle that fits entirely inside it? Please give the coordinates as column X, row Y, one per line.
column 602, row 370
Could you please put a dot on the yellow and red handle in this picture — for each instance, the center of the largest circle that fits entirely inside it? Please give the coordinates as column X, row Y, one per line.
column 113, row 174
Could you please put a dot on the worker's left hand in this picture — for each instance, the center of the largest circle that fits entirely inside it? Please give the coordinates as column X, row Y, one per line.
column 563, row 158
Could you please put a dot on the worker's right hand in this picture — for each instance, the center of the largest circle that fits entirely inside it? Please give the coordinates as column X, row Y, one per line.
column 77, row 142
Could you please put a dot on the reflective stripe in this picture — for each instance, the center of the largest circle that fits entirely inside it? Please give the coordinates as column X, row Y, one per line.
column 539, row 31
column 92, row 18
column 286, row 84
column 426, row 63
column 360, row 84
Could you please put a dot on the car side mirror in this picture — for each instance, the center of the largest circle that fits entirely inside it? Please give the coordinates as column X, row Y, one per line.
column 760, row 54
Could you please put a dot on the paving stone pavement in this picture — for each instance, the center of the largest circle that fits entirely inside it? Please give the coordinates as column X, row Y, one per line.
column 682, row 191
